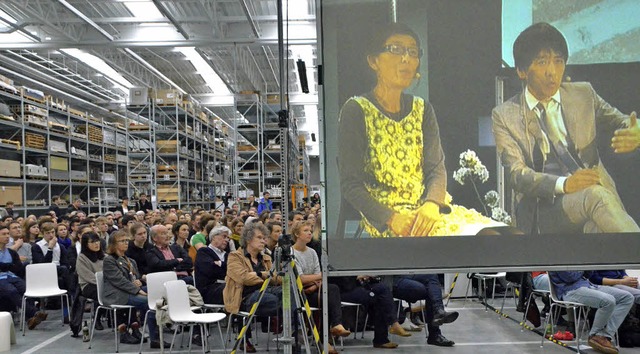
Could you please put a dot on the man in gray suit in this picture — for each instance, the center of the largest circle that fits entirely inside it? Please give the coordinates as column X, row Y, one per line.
column 546, row 137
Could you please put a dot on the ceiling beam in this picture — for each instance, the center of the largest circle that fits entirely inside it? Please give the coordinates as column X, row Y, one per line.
column 86, row 19
column 166, row 13
column 252, row 23
column 204, row 42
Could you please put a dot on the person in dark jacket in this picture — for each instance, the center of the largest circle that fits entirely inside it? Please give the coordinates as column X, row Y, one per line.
column 163, row 257
column 49, row 250
column 211, row 266
column 618, row 279
column 612, row 305
column 143, row 204
column 12, row 284
column 138, row 246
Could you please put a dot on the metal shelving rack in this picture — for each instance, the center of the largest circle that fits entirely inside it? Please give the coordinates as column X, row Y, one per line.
column 191, row 170
column 59, row 126
column 266, row 154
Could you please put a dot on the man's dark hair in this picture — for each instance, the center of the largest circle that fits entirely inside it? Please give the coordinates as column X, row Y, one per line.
column 4, row 218
column 294, row 213
column 127, row 218
column 2, row 227
column 537, row 37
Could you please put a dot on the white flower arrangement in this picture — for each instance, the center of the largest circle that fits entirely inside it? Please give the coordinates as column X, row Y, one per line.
column 472, row 169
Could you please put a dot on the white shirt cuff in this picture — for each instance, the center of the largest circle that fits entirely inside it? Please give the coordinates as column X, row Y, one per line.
column 560, row 185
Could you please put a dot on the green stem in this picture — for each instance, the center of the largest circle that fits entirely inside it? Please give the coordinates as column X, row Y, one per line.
column 475, row 188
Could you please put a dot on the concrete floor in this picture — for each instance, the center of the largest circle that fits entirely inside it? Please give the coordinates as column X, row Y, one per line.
column 475, row 332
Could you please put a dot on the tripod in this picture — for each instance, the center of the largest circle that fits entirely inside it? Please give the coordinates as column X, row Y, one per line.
column 288, row 274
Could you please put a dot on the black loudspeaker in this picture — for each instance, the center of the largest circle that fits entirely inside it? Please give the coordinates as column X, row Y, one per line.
column 283, row 119
column 313, row 137
column 302, row 72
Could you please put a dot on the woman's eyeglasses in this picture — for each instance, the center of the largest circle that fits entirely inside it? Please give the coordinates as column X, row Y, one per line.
column 396, row 49
column 124, row 240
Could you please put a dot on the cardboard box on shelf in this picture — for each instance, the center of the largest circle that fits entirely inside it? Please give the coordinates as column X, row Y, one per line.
column 58, row 163
column 167, row 146
column 10, row 168
column 11, row 194
column 166, row 97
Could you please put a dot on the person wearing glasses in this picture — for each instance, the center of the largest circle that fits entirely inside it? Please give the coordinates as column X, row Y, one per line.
column 88, row 263
column 211, row 266
column 391, row 163
column 123, row 285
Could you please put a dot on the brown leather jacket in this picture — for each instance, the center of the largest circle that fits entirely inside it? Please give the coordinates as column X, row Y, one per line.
column 239, row 271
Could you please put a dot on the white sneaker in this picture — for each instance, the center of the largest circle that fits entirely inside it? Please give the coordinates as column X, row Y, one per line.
column 417, row 306
column 410, row 327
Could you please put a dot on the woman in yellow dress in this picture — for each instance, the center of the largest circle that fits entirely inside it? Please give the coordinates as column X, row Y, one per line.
column 391, row 161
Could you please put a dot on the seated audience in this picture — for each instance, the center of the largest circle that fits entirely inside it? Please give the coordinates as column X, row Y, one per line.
column 12, row 284
column 424, row 289
column 211, row 266
column 162, row 257
column 180, row 232
column 138, row 246
column 123, row 285
column 618, row 279
column 48, row 250
column 377, row 297
column 247, row 268
column 88, row 263
column 311, row 277
column 612, row 305
column 21, row 244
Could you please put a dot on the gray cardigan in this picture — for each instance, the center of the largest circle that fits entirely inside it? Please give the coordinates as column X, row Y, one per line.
column 117, row 280
column 87, row 269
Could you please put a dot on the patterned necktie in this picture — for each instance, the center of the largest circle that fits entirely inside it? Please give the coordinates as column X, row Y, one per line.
column 558, row 143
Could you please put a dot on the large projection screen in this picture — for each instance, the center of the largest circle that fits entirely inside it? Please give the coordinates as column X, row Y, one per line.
column 347, row 30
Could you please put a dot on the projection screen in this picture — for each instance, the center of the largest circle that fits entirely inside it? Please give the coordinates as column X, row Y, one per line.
column 385, row 146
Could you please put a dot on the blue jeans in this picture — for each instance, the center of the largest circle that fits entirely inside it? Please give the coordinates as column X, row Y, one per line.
column 612, row 306
column 412, row 288
column 541, row 282
column 633, row 291
column 141, row 304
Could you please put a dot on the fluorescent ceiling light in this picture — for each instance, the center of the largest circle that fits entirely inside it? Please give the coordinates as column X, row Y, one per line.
column 143, row 10
column 296, row 9
column 7, row 17
column 212, row 79
column 99, row 65
column 15, row 37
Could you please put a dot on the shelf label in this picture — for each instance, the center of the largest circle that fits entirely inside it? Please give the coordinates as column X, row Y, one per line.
column 269, row 174
column 167, row 177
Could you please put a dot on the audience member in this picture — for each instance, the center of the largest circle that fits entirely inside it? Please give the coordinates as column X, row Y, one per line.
column 211, row 266
column 163, row 257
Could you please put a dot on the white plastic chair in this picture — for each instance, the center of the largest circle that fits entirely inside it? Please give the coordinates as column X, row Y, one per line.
column 180, row 312
column 579, row 310
column 111, row 309
column 42, row 282
column 534, row 292
column 155, row 292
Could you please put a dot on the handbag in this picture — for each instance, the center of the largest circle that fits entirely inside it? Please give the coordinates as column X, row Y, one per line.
column 312, row 287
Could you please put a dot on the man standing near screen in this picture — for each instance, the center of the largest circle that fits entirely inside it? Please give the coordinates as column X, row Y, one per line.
column 546, row 137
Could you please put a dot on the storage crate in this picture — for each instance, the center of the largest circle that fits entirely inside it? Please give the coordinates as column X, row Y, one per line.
column 166, row 97
column 58, row 163
column 79, row 152
column 108, row 177
column 35, row 171
column 57, row 146
column 109, row 137
column 10, row 194
column 58, row 175
column 138, row 96
column 167, row 146
column 10, row 168
column 35, row 141
column 78, row 175
column 121, row 140
column 34, row 120
column 167, row 193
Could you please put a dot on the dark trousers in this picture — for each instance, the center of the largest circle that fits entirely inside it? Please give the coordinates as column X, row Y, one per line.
column 11, row 291
column 335, row 306
column 379, row 299
column 212, row 294
column 421, row 287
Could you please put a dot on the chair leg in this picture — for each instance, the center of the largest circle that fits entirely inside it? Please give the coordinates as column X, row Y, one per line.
column 23, row 315
column 93, row 326
column 190, row 336
column 466, row 293
column 224, row 343
column 526, row 310
column 146, row 318
column 115, row 327
column 546, row 323
column 175, row 332
column 355, row 332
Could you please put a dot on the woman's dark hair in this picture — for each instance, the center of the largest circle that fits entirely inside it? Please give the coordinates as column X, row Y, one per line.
column 537, row 37
column 376, row 43
column 84, row 246
column 176, row 229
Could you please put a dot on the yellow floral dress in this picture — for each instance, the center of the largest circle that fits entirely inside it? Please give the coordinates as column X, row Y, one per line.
column 395, row 159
